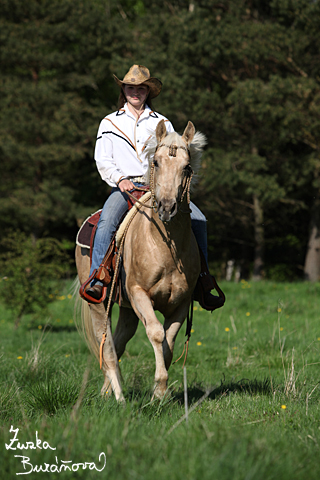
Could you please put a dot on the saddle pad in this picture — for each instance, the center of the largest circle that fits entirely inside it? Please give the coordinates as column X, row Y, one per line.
column 136, row 207
column 84, row 234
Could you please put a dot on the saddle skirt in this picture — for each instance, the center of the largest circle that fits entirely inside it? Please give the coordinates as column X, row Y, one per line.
column 107, row 269
column 87, row 230
column 86, row 233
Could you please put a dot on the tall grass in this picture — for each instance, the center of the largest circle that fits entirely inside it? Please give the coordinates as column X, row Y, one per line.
column 252, row 384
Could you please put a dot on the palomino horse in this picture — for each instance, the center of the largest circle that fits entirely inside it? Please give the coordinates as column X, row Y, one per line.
column 160, row 258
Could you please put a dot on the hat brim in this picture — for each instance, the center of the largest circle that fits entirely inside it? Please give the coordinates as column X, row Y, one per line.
column 153, row 83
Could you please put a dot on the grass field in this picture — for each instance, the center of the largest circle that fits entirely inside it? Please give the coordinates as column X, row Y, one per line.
column 256, row 361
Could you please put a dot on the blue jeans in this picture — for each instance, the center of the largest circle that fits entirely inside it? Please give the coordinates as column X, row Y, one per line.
column 115, row 208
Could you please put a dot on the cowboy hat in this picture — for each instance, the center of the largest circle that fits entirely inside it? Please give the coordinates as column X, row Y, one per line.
column 137, row 75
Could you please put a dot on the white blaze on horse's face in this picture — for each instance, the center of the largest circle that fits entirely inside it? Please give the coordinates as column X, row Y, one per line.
column 171, row 161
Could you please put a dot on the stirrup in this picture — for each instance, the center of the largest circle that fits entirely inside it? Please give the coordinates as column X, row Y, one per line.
column 217, row 301
column 88, row 298
column 205, row 284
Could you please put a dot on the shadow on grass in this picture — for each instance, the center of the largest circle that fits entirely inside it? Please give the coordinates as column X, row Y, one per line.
column 195, row 392
column 246, row 386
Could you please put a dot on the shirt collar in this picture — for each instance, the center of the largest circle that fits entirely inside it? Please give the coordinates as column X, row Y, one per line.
column 146, row 113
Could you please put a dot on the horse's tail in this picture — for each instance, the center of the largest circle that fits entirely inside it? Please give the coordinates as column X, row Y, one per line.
column 83, row 322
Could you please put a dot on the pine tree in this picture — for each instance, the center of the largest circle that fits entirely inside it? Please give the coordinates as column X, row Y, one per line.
column 55, row 72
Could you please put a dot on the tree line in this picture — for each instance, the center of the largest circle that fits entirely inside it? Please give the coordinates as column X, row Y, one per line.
column 245, row 72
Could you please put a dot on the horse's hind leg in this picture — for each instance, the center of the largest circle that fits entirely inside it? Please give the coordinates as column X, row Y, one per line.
column 126, row 328
column 110, row 363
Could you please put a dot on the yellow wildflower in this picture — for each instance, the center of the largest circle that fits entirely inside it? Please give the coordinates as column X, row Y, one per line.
column 19, row 358
column 199, row 343
column 283, row 407
column 227, row 329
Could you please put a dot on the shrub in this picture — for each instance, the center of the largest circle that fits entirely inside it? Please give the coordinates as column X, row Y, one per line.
column 30, row 270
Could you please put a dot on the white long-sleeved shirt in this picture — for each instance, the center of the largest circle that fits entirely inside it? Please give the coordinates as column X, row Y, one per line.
column 120, row 143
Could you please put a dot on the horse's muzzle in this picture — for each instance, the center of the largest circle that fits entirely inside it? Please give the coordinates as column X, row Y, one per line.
column 167, row 209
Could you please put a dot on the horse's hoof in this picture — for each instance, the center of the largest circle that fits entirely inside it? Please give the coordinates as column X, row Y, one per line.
column 159, row 393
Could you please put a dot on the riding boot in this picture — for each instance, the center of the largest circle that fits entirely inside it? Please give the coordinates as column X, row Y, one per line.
column 95, row 291
column 104, row 274
column 205, row 284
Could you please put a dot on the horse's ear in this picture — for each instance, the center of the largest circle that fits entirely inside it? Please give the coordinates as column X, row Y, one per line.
column 189, row 132
column 161, row 131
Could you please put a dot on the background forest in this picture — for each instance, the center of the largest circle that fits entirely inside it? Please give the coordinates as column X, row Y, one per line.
column 245, row 72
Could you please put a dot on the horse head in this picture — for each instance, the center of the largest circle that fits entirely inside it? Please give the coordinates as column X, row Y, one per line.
column 174, row 161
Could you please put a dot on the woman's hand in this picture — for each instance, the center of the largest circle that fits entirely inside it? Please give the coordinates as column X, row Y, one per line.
column 125, row 184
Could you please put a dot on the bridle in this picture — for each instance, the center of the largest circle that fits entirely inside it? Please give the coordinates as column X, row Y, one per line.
column 187, row 177
column 173, row 149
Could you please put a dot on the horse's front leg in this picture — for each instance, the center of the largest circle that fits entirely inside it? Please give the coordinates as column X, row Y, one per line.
column 172, row 326
column 110, row 364
column 142, row 306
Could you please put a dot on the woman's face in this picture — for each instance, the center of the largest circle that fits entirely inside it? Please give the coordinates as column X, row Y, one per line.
column 136, row 95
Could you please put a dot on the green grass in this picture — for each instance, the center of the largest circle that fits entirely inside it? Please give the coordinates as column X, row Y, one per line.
column 258, row 357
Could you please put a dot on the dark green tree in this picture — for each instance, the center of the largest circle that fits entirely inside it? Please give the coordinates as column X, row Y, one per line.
column 55, row 86
column 246, row 74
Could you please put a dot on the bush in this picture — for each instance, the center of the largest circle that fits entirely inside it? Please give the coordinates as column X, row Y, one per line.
column 30, row 270
column 281, row 272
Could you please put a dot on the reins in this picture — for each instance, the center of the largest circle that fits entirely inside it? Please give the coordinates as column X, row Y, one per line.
column 186, row 188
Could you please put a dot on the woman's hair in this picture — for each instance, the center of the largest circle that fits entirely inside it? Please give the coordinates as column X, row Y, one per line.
column 122, row 100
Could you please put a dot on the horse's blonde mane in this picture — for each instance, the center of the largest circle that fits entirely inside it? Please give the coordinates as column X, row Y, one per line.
column 195, row 147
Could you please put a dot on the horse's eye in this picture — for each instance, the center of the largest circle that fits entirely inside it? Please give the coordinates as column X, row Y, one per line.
column 155, row 163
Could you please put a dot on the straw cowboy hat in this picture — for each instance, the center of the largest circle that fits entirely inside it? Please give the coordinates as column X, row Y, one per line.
column 139, row 74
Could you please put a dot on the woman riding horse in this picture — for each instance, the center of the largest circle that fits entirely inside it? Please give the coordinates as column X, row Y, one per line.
column 122, row 163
